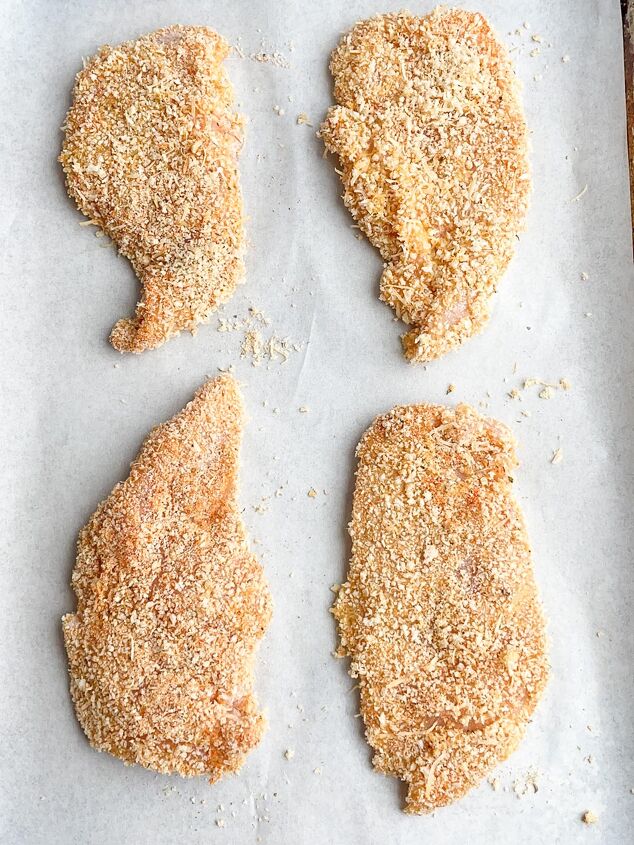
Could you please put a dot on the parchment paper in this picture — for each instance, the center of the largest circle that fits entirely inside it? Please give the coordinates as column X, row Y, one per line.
column 74, row 413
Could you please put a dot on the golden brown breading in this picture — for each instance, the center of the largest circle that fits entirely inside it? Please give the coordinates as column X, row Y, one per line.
column 171, row 603
column 432, row 142
column 440, row 614
column 150, row 156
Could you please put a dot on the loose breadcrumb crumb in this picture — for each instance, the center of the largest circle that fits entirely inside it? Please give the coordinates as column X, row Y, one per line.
column 557, row 457
column 276, row 58
column 526, row 785
column 547, row 387
column 589, row 817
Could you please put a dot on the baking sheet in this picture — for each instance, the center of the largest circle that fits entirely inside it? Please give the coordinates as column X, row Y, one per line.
column 74, row 413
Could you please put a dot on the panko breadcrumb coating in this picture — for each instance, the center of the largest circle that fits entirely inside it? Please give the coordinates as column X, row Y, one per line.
column 150, row 156
column 432, row 143
column 171, row 603
column 440, row 614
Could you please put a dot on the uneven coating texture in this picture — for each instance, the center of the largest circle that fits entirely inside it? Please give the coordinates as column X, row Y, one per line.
column 150, row 156
column 171, row 603
column 432, row 142
column 440, row 614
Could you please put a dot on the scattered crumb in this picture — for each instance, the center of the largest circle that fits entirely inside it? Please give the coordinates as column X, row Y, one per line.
column 220, row 822
column 317, row 771
column 276, row 58
column 254, row 318
column 548, row 387
column 312, row 493
column 494, row 783
column 589, row 817
column 580, row 194
column 279, row 111
column 254, row 345
column 537, row 38
column 289, row 753
column 303, row 119
column 262, row 506
column 565, row 59
column 528, row 785
column 303, row 409
column 584, row 277
column 557, row 457
column 535, row 52
column 451, row 388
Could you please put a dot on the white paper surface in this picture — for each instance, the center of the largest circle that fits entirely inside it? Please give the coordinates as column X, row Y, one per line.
column 74, row 413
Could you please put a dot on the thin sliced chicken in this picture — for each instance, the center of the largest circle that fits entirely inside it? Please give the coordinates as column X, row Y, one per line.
column 171, row 603
column 440, row 614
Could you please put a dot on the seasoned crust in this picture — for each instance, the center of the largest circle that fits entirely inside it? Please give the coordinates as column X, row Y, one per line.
column 150, row 155
column 171, row 603
column 432, row 144
column 440, row 615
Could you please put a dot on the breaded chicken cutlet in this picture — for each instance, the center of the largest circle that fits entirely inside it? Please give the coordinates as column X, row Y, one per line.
column 440, row 614
column 171, row 603
column 151, row 156
column 432, row 143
